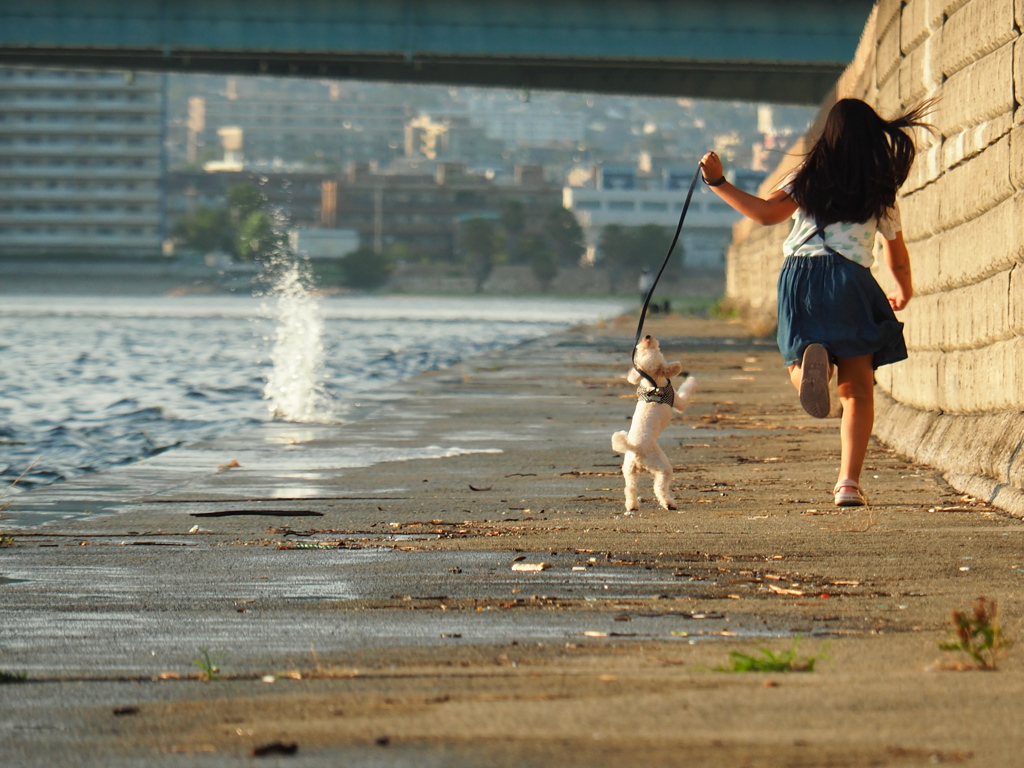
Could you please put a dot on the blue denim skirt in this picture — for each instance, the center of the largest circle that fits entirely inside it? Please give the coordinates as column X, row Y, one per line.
column 835, row 302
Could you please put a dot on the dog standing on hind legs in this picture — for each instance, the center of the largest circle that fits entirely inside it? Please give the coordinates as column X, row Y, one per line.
column 656, row 399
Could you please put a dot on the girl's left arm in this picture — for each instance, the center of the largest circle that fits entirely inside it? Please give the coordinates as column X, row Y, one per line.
column 897, row 259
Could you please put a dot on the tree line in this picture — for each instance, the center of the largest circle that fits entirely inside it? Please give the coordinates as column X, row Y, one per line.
column 245, row 228
column 242, row 228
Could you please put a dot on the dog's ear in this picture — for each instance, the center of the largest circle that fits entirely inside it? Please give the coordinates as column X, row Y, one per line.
column 633, row 377
column 672, row 369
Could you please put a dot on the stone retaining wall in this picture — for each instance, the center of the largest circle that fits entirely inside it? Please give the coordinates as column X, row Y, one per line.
column 958, row 402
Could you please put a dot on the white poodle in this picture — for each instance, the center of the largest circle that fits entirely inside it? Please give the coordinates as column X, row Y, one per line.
column 656, row 400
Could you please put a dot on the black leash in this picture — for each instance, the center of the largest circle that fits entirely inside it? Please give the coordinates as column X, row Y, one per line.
column 650, row 292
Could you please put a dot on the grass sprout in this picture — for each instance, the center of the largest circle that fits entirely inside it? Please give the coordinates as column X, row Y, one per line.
column 767, row 661
column 16, row 481
column 977, row 634
column 6, row 540
column 208, row 669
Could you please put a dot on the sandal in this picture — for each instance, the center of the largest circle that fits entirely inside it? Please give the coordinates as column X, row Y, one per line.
column 849, row 494
column 814, row 376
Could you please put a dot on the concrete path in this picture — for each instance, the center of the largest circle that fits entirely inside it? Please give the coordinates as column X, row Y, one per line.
column 453, row 571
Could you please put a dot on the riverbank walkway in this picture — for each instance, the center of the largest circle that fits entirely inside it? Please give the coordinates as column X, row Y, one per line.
column 486, row 601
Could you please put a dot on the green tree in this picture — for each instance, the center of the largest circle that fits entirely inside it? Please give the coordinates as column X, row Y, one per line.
column 613, row 246
column 365, row 270
column 650, row 243
column 627, row 251
column 205, row 230
column 565, row 235
column 543, row 263
column 256, row 239
column 513, row 221
column 401, row 252
column 245, row 200
column 479, row 245
column 616, row 253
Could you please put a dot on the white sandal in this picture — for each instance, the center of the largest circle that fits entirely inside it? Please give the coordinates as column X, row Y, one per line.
column 849, row 494
column 814, row 376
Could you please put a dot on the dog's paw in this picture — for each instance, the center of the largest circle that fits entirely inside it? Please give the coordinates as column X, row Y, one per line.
column 684, row 393
column 669, row 504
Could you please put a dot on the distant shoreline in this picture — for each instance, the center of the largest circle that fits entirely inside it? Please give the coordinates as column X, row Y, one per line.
column 173, row 277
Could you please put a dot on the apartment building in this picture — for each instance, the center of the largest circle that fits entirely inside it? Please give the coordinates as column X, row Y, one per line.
column 619, row 195
column 81, row 164
column 422, row 210
column 291, row 130
column 451, row 138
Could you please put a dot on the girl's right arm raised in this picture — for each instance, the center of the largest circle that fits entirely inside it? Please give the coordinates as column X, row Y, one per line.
column 778, row 207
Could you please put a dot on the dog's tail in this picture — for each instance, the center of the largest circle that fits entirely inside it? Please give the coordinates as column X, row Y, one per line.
column 620, row 442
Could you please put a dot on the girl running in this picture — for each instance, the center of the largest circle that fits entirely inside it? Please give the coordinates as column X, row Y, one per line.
column 832, row 312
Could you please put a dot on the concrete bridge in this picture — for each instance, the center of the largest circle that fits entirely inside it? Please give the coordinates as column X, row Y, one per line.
column 780, row 51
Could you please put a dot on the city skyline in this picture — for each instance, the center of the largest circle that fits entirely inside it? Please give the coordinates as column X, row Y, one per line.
column 308, row 135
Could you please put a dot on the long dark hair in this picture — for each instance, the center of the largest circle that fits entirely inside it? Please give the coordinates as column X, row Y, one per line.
column 855, row 167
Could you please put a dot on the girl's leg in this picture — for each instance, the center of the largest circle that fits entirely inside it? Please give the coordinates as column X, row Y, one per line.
column 794, row 376
column 857, row 394
column 796, row 373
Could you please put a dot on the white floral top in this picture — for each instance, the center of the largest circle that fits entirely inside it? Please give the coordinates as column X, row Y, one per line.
column 855, row 241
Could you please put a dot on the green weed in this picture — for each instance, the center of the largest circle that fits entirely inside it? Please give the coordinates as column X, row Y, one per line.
column 208, row 669
column 12, row 677
column 5, row 540
column 784, row 661
column 694, row 306
column 724, row 309
column 977, row 635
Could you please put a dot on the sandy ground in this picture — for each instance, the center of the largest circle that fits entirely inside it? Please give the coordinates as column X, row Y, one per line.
column 627, row 670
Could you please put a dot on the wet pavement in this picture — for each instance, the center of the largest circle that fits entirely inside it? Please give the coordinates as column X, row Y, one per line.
column 479, row 507
column 92, row 612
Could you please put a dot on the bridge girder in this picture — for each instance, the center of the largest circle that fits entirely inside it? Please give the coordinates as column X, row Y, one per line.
column 782, row 51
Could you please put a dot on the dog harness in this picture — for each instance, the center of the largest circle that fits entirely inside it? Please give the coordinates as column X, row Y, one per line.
column 664, row 395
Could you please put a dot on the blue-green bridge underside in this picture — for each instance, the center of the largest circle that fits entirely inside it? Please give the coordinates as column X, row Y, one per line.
column 788, row 51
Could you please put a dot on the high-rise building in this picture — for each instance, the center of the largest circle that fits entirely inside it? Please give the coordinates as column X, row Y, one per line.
column 81, row 164
column 294, row 129
column 451, row 138
column 423, row 211
column 620, row 196
column 519, row 121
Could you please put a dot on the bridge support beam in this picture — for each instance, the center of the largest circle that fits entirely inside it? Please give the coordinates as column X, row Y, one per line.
column 785, row 51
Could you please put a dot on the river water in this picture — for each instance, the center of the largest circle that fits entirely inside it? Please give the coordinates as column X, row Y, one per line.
column 90, row 382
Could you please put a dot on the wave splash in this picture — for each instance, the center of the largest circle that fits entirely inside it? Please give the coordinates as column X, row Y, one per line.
column 295, row 388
